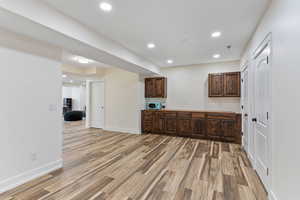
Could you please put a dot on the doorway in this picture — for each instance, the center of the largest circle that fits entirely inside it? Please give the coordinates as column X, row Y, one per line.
column 96, row 107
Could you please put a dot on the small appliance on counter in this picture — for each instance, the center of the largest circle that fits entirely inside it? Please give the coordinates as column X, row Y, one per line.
column 154, row 105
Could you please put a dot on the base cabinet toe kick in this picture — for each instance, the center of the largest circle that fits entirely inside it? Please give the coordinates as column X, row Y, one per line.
column 218, row 126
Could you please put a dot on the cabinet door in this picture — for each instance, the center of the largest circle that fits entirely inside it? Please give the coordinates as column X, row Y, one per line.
column 228, row 130
column 160, row 87
column 215, row 85
column 149, row 87
column 158, row 122
column 199, row 127
column 147, row 122
column 170, row 126
column 232, row 84
column 214, row 128
column 185, row 127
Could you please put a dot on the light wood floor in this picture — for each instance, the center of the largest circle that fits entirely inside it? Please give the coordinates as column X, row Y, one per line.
column 102, row 165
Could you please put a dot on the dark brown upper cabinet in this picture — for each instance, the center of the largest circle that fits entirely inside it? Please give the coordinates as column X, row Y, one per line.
column 224, row 84
column 156, row 87
column 232, row 84
column 216, row 85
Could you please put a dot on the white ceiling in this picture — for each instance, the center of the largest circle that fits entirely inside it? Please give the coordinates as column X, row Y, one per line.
column 180, row 29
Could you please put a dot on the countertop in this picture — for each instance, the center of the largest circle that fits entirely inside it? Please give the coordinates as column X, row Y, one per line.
column 200, row 111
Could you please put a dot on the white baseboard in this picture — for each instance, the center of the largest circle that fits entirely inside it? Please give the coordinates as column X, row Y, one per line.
column 25, row 177
column 272, row 196
column 121, row 130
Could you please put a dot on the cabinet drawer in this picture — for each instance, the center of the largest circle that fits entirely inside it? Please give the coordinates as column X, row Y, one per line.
column 184, row 114
column 198, row 115
column 170, row 114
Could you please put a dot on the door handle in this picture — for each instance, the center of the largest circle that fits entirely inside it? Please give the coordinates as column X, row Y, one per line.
column 246, row 115
column 254, row 119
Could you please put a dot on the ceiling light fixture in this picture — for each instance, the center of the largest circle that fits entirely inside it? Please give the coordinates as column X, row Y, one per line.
column 170, row 61
column 82, row 60
column 151, row 45
column 106, row 7
column 216, row 56
column 64, row 76
column 216, row 34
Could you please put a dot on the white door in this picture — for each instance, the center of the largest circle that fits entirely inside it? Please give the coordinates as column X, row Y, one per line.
column 97, row 104
column 245, row 109
column 262, row 111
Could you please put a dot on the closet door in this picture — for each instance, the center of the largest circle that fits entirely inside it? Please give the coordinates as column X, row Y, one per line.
column 262, row 112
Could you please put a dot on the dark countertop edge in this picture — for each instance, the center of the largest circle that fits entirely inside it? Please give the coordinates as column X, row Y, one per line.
column 195, row 111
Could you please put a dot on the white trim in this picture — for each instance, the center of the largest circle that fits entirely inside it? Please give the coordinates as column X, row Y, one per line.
column 122, row 130
column 244, row 66
column 262, row 45
column 244, row 70
column 272, row 196
column 27, row 176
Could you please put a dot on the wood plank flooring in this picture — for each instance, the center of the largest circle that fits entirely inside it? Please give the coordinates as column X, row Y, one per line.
column 101, row 165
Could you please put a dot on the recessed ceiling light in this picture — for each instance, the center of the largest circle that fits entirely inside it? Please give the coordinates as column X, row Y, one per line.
column 170, row 61
column 216, row 56
column 82, row 60
column 71, row 81
column 64, row 76
column 105, row 6
column 216, row 34
column 151, row 45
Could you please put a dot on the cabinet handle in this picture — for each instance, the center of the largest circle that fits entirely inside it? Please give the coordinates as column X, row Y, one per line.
column 254, row 119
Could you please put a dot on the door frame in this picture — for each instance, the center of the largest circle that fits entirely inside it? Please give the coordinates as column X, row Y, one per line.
column 267, row 41
column 245, row 68
column 88, row 102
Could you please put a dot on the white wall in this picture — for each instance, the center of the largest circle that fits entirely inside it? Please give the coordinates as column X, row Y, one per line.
column 188, row 87
column 78, row 95
column 123, row 102
column 30, row 117
column 283, row 21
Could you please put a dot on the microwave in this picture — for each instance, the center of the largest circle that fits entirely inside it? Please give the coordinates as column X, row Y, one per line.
column 153, row 106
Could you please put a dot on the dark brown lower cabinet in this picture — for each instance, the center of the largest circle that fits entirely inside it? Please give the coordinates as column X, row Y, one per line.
column 184, row 127
column 228, row 130
column 170, row 126
column 224, row 127
column 199, row 127
column 158, row 122
column 214, row 128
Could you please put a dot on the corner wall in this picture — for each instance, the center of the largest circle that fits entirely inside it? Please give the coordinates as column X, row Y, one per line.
column 282, row 20
column 30, row 117
column 123, row 101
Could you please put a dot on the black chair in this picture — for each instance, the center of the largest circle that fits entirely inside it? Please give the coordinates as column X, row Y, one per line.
column 73, row 116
